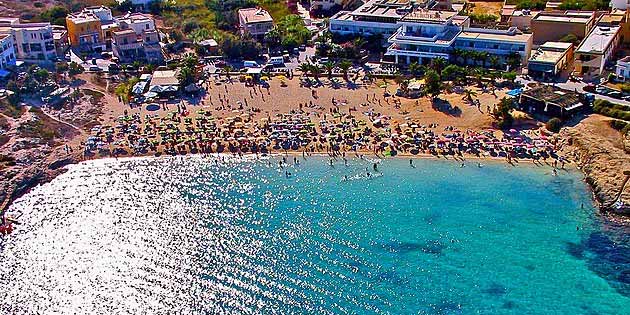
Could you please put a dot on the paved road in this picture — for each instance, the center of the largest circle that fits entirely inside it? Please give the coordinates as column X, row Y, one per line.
column 576, row 86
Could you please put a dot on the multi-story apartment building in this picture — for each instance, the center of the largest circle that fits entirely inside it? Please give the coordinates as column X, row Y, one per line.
column 373, row 17
column 424, row 35
column 33, row 42
column 84, row 30
column 550, row 26
column 128, row 46
column 550, row 59
column 499, row 43
column 136, row 39
column 7, row 51
column 255, row 21
column 596, row 50
column 622, row 69
column 60, row 37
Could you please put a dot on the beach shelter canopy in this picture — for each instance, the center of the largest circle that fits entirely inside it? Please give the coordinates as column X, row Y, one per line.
column 139, row 88
column 254, row 70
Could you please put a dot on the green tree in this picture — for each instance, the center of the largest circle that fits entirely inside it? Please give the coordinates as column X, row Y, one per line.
column 414, row 68
column 510, row 76
column 553, row 124
column 570, row 38
column 514, row 60
column 329, row 67
column 469, row 95
column 454, row 73
column 56, row 15
column 503, row 113
column 74, row 69
column 305, row 68
column 345, row 66
column 186, row 76
column 438, row 64
column 124, row 90
column 433, row 85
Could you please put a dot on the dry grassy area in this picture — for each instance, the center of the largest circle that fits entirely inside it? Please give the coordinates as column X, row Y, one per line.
column 487, row 7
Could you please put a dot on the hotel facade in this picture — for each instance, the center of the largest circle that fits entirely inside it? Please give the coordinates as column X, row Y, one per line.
column 416, row 34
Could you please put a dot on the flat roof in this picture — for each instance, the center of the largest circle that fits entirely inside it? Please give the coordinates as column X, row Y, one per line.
column 599, row 39
column 560, row 97
column 611, row 18
column 382, row 8
column 494, row 35
column 546, row 56
column 125, row 32
column 556, row 45
column 342, row 16
column 164, row 77
column 255, row 15
column 83, row 17
column 428, row 16
column 580, row 17
column 30, row 25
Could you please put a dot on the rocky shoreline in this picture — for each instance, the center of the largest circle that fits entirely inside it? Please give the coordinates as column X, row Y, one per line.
column 602, row 164
column 603, row 161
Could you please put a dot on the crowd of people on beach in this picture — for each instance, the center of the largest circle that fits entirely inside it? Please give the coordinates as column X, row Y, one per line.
column 218, row 125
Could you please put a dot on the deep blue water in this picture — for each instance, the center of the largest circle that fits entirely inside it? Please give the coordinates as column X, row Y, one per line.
column 189, row 235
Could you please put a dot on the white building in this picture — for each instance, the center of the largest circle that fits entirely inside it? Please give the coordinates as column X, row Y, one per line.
column 103, row 13
column 623, row 69
column 500, row 43
column 424, row 35
column 427, row 34
column 373, row 17
column 33, row 42
column 7, row 51
column 138, row 22
column 255, row 21
column 596, row 50
column 620, row 4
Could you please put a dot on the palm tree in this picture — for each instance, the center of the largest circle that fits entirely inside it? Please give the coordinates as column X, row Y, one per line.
column 438, row 64
column 457, row 54
column 186, row 76
column 329, row 67
column 494, row 62
column 227, row 69
column 469, row 94
column 480, row 57
column 513, row 60
column 478, row 73
column 345, row 66
column 305, row 68
column 359, row 42
column 414, row 68
column 316, row 71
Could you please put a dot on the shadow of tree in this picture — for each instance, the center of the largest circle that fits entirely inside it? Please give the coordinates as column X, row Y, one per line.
column 444, row 106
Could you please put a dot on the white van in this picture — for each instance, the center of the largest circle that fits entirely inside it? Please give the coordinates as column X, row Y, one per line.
column 250, row 64
column 276, row 61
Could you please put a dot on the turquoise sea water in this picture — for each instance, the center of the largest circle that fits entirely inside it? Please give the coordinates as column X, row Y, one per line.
column 190, row 235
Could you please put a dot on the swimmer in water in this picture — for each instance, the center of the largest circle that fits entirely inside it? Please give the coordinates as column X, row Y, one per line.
column 555, row 172
column 375, row 167
column 345, row 178
column 479, row 165
column 461, row 166
column 411, row 163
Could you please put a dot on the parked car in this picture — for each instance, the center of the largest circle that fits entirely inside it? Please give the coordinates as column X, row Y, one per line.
column 302, row 48
column 94, row 69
